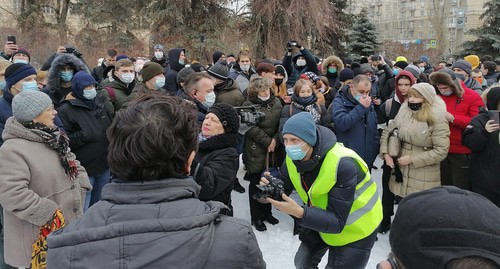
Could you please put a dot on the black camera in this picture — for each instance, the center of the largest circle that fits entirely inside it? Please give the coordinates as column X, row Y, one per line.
column 73, row 51
column 292, row 43
column 250, row 114
column 273, row 190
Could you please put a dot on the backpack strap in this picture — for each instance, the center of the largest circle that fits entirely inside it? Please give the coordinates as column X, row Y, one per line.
column 111, row 93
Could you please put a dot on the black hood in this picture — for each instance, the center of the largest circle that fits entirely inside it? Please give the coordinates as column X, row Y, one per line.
column 173, row 58
column 325, row 140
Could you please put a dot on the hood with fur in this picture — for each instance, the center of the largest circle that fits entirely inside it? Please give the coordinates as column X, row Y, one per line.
column 61, row 60
column 443, row 78
column 332, row 59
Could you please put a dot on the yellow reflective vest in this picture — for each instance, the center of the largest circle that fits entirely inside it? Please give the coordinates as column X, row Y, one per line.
column 366, row 211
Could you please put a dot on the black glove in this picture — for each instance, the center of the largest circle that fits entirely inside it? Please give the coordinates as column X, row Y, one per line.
column 288, row 47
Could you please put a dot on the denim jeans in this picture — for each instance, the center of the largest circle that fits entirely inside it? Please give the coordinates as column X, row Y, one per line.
column 97, row 182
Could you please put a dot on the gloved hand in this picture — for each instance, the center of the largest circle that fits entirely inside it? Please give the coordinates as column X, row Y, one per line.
column 288, row 47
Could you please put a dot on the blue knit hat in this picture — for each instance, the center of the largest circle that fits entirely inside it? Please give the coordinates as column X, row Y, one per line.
column 81, row 80
column 15, row 72
column 302, row 125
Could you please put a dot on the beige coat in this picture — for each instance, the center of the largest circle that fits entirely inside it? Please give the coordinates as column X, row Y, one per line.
column 426, row 145
column 33, row 185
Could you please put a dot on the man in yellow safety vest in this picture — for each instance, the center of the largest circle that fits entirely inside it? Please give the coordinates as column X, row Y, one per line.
column 342, row 208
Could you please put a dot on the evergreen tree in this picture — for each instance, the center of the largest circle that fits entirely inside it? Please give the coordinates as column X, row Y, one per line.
column 362, row 39
column 488, row 35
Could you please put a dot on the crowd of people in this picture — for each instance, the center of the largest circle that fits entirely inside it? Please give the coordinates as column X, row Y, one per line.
column 100, row 166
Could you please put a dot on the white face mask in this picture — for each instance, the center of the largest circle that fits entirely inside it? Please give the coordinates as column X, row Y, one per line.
column 301, row 62
column 209, row 99
column 265, row 98
column 245, row 67
column 158, row 54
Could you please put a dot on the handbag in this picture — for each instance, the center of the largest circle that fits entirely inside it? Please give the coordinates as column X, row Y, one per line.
column 393, row 143
column 39, row 247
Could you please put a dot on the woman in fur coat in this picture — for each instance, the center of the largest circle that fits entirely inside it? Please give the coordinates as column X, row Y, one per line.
column 424, row 136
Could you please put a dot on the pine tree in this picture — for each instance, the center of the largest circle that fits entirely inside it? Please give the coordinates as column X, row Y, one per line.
column 362, row 40
column 488, row 35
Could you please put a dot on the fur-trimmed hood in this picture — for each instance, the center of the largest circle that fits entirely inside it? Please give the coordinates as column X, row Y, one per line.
column 444, row 78
column 61, row 60
column 332, row 59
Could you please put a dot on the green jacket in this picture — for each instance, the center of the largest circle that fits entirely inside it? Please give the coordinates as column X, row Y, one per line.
column 229, row 93
column 120, row 90
column 258, row 137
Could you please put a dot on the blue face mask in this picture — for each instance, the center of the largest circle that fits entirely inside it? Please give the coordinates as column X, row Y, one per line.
column 90, row 94
column 20, row 61
column 29, row 86
column 159, row 83
column 395, row 72
column 3, row 83
column 357, row 97
column 209, row 99
column 295, row 152
column 67, row 75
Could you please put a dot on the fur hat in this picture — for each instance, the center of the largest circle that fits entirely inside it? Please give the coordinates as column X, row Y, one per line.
column 464, row 65
column 227, row 116
column 332, row 59
column 446, row 77
column 435, row 226
column 302, row 125
column 150, row 70
column 27, row 105
column 219, row 70
column 473, row 60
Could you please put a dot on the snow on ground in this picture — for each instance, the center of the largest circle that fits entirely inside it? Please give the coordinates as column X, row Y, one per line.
column 278, row 245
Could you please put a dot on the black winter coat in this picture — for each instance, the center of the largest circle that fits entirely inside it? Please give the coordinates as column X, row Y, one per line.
column 485, row 157
column 215, row 167
column 86, row 129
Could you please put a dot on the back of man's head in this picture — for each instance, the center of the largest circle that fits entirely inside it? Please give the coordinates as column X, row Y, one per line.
column 152, row 138
column 445, row 226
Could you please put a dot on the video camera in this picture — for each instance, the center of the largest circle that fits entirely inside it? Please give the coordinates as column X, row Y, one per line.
column 72, row 50
column 250, row 115
column 273, row 190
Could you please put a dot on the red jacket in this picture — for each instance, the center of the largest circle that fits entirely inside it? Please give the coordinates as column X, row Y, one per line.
column 463, row 109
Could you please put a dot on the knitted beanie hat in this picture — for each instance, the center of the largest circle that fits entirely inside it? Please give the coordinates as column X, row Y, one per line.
column 401, row 64
column 150, row 70
column 426, row 90
column 473, row 60
column 23, row 51
column 414, row 70
column 183, row 74
column 16, row 72
column 227, row 116
column 302, row 125
column 464, row 65
column 346, row 74
column 312, row 77
column 27, row 105
column 219, row 70
column 159, row 47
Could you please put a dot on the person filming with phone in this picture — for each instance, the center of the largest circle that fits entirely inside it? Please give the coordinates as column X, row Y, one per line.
column 482, row 137
column 298, row 63
column 9, row 48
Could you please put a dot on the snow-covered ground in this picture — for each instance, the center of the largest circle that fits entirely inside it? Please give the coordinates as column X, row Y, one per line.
column 278, row 244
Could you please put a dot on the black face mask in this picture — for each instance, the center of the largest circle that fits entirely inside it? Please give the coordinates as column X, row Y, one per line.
column 415, row 106
column 278, row 81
